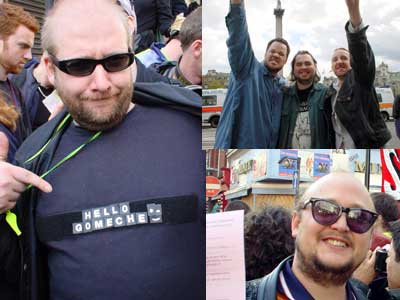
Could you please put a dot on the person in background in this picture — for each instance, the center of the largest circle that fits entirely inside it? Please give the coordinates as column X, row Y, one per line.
column 17, row 32
column 238, row 205
column 34, row 85
column 267, row 240
column 188, row 68
column 153, row 17
column 386, row 207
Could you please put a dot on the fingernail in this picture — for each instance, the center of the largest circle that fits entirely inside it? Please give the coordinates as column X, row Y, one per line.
column 49, row 188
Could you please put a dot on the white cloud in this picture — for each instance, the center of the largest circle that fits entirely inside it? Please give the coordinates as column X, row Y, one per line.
column 314, row 25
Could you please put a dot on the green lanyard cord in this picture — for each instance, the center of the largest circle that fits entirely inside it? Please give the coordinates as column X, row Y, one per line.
column 58, row 129
column 69, row 156
column 11, row 218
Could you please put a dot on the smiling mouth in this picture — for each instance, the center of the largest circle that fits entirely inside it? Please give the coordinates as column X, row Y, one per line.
column 336, row 242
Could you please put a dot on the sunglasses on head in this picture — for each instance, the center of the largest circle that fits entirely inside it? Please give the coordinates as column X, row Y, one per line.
column 85, row 66
column 326, row 212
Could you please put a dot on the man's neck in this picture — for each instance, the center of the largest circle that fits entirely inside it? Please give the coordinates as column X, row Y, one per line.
column 3, row 74
column 40, row 75
column 188, row 69
column 172, row 50
column 316, row 290
column 340, row 82
column 301, row 86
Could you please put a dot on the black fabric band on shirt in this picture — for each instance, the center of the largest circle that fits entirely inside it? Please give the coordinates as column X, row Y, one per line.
column 175, row 210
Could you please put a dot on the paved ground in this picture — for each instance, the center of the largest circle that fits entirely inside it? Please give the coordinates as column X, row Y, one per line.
column 209, row 137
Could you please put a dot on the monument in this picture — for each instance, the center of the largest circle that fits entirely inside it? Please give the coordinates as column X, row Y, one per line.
column 278, row 12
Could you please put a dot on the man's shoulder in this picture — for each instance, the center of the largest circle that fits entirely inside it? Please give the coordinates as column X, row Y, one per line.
column 169, row 96
column 320, row 86
column 252, row 289
column 38, row 138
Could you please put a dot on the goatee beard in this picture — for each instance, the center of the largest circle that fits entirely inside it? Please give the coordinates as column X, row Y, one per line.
column 322, row 274
column 305, row 81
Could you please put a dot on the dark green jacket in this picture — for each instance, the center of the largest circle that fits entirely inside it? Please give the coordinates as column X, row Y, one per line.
column 322, row 134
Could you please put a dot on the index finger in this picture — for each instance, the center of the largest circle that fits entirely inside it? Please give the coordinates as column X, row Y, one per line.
column 29, row 178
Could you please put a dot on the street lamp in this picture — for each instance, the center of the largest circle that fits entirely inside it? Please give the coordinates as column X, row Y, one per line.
column 288, row 162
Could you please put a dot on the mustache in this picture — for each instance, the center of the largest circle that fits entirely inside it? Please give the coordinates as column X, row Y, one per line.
column 100, row 96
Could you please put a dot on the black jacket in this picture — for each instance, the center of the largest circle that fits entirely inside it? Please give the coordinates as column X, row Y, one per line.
column 265, row 288
column 23, row 259
column 357, row 105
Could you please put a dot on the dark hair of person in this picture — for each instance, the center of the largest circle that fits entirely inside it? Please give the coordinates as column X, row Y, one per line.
column 191, row 29
column 267, row 239
column 238, row 205
column 386, row 206
column 317, row 76
column 282, row 41
column 395, row 229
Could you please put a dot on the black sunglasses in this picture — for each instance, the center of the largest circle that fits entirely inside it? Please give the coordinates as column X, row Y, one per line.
column 85, row 66
column 326, row 212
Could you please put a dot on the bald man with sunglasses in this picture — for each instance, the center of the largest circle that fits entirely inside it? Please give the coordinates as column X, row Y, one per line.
column 122, row 218
column 332, row 227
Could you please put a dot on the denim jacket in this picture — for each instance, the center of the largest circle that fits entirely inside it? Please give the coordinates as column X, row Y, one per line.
column 252, row 109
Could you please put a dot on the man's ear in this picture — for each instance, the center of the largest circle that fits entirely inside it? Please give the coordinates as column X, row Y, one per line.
column 131, row 24
column 296, row 219
column 197, row 48
column 1, row 45
column 49, row 68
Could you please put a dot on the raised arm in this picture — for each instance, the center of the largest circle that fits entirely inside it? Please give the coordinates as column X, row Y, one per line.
column 240, row 52
column 354, row 12
column 363, row 59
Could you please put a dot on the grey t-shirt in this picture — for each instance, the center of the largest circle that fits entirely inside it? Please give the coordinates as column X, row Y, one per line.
column 302, row 131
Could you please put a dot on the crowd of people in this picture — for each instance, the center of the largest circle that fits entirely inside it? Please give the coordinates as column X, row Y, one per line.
column 264, row 111
column 88, row 139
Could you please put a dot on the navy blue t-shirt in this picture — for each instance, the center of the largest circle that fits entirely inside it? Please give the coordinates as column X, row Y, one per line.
column 155, row 152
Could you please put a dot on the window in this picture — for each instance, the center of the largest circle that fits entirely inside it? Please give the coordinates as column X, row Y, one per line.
column 209, row 100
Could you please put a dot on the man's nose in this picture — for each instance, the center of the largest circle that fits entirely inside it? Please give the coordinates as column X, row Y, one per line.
column 28, row 54
column 341, row 224
column 101, row 81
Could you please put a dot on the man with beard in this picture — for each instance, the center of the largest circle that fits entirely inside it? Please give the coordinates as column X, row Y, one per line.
column 305, row 123
column 17, row 32
column 251, row 114
column 332, row 227
column 356, row 118
column 113, row 223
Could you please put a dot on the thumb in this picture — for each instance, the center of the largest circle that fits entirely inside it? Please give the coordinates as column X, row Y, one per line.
column 3, row 147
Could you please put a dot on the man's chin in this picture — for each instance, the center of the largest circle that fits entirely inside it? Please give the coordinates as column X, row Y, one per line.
column 15, row 70
column 305, row 81
column 273, row 68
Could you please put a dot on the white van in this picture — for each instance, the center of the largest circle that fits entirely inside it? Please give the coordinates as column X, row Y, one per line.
column 385, row 98
column 213, row 100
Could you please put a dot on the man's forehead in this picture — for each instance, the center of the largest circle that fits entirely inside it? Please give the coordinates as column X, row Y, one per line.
column 304, row 57
column 340, row 52
column 94, row 38
column 278, row 45
column 341, row 188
